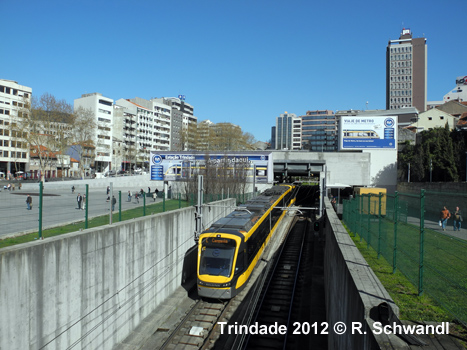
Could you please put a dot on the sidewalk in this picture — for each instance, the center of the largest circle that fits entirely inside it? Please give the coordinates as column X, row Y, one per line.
column 434, row 225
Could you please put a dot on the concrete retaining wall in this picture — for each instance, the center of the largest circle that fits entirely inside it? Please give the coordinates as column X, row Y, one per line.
column 415, row 187
column 91, row 289
column 352, row 291
column 132, row 183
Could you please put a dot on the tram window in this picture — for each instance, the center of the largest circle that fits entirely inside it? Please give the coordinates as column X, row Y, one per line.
column 216, row 261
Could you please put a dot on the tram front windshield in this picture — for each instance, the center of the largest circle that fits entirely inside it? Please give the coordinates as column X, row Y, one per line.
column 217, row 258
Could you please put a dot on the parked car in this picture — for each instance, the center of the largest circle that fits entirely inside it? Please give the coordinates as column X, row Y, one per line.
column 110, row 173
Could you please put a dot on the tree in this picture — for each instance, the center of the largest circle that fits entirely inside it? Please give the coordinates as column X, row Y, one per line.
column 84, row 131
column 221, row 176
column 222, row 137
column 36, row 125
column 442, row 148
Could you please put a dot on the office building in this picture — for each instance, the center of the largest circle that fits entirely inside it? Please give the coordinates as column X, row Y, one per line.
column 406, row 72
column 288, row 132
column 319, row 131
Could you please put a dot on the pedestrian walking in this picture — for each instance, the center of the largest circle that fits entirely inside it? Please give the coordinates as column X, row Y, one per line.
column 149, row 189
column 29, row 202
column 79, row 199
column 84, row 202
column 19, row 186
column 136, row 197
column 72, row 189
column 445, row 215
column 108, row 190
column 114, row 201
column 129, row 196
column 457, row 219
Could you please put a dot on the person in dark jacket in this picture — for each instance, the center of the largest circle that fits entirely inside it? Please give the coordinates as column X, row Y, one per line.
column 79, row 199
column 457, row 219
column 29, row 202
column 114, row 201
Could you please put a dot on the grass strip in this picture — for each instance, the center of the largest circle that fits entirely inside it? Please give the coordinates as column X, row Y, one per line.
column 411, row 306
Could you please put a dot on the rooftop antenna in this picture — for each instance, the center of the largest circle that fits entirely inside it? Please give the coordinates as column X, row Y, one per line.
column 366, row 105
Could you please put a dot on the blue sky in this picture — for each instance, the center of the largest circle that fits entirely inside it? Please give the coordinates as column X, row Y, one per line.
column 243, row 61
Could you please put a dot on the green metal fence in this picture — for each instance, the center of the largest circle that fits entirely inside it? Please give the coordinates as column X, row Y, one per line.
column 404, row 229
column 58, row 208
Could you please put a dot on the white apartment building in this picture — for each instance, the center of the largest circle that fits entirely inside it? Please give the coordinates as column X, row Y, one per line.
column 160, row 127
column 14, row 154
column 102, row 107
column 137, row 133
column 183, row 122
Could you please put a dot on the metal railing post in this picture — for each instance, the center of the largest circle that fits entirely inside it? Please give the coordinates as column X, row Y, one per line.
column 360, row 219
column 368, row 237
column 41, row 191
column 179, row 200
column 396, row 215
column 379, row 223
column 110, row 196
column 144, row 204
column 163, row 203
column 422, row 238
column 119, row 206
column 86, row 217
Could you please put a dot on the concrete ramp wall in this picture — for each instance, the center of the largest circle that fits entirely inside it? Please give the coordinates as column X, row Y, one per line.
column 89, row 290
column 353, row 291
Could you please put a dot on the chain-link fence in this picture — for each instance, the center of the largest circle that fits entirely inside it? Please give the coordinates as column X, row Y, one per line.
column 79, row 207
column 405, row 229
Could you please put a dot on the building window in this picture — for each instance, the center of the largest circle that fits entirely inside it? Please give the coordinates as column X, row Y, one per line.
column 104, row 102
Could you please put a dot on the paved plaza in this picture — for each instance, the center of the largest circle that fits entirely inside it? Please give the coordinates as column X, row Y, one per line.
column 59, row 206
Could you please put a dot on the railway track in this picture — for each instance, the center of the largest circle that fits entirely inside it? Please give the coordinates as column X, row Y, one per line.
column 199, row 329
column 195, row 327
column 275, row 306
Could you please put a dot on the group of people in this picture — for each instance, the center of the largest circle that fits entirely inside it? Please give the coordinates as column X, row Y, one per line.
column 81, row 199
column 11, row 186
column 446, row 215
column 140, row 193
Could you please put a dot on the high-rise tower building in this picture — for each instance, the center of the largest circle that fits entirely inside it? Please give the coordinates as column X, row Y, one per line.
column 406, row 72
column 288, row 132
